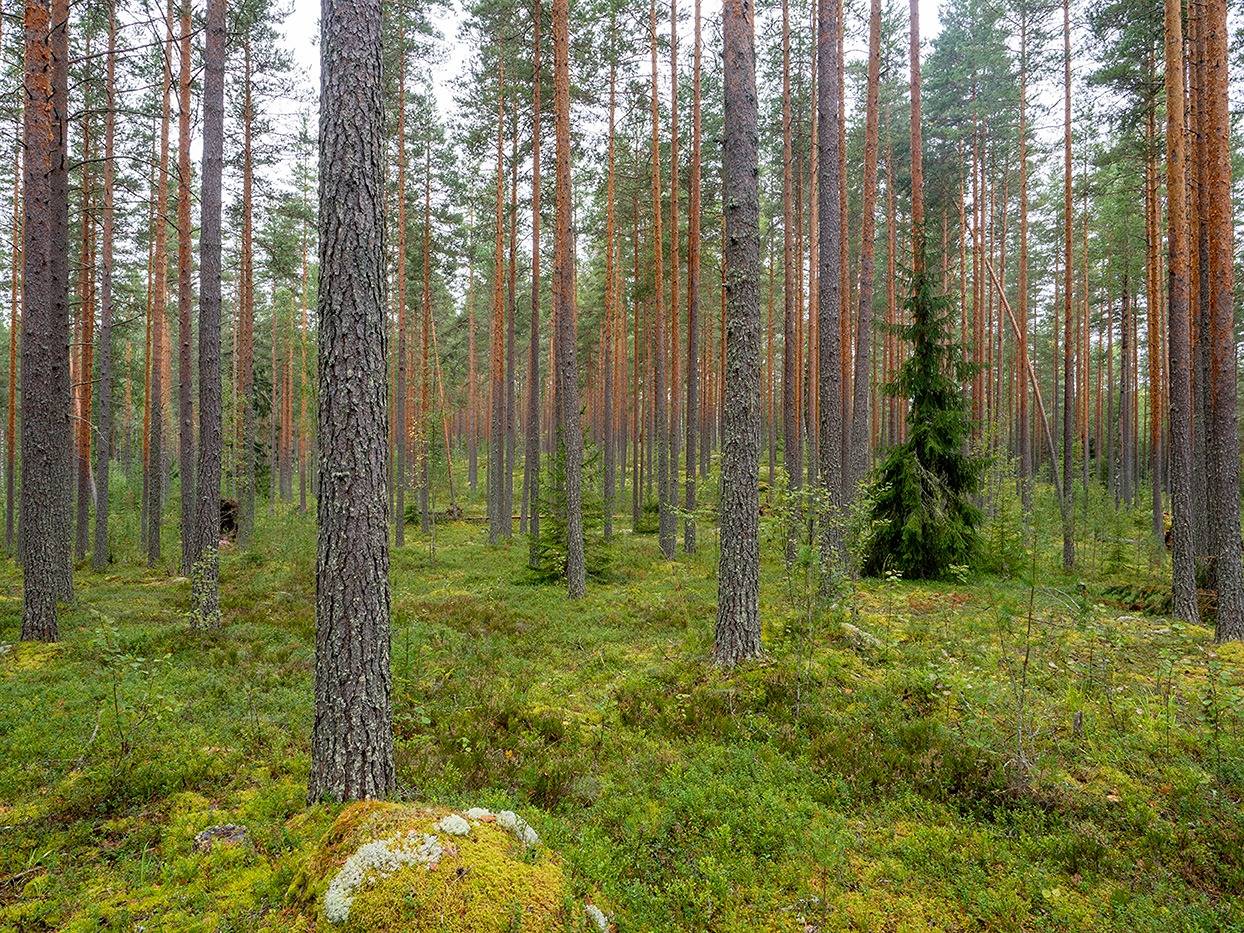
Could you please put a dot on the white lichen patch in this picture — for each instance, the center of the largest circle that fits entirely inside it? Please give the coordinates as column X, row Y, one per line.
column 515, row 824
column 454, row 825
column 478, row 813
column 376, row 860
column 597, row 917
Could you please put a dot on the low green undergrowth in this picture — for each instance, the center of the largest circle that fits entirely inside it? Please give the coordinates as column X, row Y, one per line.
column 981, row 754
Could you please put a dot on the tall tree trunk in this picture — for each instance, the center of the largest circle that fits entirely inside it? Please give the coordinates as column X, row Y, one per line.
column 675, row 343
column 44, row 335
column 864, row 322
column 472, row 378
column 246, row 318
column 829, row 104
column 185, row 298
column 84, row 383
column 660, row 402
column 607, row 435
column 917, row 156
column 569, row 434
column 1069, row 547
column 737, row 636
column 60, row 296
column 1224, row 437
column 155, row 505
column 425, row 406
column 15, row 287
column 511, row 411
column 1021, row 286
column 1179, row 341
column 399, row 394
column 496, row 363
column 104, row 444
column 352, row 740
column 792, row 448
column 693, row 294
column 205, row 557
column 531, row 462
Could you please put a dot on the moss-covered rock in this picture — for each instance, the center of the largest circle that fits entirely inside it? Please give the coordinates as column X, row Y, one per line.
column 385, row 866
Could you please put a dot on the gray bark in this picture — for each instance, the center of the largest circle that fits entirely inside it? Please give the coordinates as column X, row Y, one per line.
column 737, row 635
column 205, row 552
column 352, row 739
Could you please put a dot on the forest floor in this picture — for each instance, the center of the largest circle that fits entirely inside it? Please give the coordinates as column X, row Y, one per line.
column 868, row 774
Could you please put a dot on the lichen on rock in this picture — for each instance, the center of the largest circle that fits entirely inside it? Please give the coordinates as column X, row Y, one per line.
column 389, row 867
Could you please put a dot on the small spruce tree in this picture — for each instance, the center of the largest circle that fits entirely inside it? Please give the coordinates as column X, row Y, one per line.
column 923, row 518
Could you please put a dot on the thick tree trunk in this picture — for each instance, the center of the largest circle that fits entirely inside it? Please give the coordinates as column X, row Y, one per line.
column 1224, row 436
column 44, row 336
column 352, row 740
column 737, row 635
column 569, row 433
column 1179, row 342
column 829, row 105
column 205, row 555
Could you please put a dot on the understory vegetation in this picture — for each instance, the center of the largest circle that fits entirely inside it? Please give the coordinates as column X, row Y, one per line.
column 977, row 753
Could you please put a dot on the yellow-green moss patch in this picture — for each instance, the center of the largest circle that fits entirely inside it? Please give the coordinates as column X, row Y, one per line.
column 388, row 867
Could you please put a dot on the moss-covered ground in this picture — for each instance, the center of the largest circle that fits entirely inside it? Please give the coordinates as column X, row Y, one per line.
column 981, row 754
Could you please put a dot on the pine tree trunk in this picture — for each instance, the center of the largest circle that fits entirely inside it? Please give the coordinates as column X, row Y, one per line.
column 496, row 363
column 1224, row 448
column 185, row 299
column 1021, row 286
column 693, row 296
column 84, row 383
column 792, row 449
column 1179, row 338
column 660, row 401
column 858, row 461
column 104, row 444
column 607, row 435
column 675, row 343
column 44, row 335
column 1069, row 553
column 737, row 636
column 829, row 357
column 399, row 392
column 352, row 740
column 205, row 557
column 511, row 411
column 155, row 504
column 569, row 433
column 60, row 296
column 425, row 407
column 531, row 462
column 246, row 321
column 15, row 287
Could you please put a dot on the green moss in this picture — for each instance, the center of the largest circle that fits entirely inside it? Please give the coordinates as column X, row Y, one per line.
column 485, row 881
